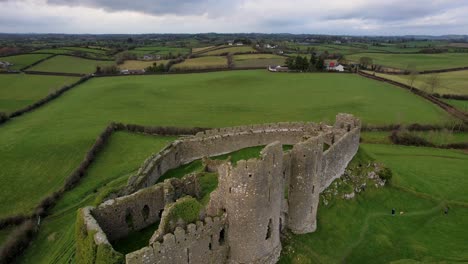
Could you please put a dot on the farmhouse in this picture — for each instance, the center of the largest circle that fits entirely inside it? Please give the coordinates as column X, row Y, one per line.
column 333, row 65
column 248, row 210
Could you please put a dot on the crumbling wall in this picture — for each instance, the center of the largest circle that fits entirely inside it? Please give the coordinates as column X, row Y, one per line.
column 337, row 157
column 118, row 217
column 218, row 142
column 203, row 242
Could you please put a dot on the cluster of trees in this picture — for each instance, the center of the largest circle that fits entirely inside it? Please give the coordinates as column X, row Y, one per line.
column 156, row 68
column 108, row 69
column 300, row 63
column 122, row 57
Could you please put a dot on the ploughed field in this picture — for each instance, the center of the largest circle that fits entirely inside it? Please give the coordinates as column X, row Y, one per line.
column 69, row 64
column 20, row 90
column 40, row 149
column 421, row 62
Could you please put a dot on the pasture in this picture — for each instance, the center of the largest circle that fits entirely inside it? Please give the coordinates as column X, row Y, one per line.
column 257, row 60
column 69, row 64
column 229, row 49
column 140, row 65
column 20, row 90
column 422, row 62
column 63, row 130
column 122, row 156
column 425, row 181
column 201, row 49
column 454, row 82
column 201, row 63
column 160, row 50
column 459, row 104
column 21, row 61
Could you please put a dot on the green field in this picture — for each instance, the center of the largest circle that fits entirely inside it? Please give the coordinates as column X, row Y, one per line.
column 436, row 137
column 455, row 82
column 233, row 49
column 207, row 62
column 163, row 51
column 63, row 130
column 69, row 64
column 21, row 61
column 459, row 104
column 140, row 65
column 20, row 90
column 121, row 157
column 356, row 231
column 421, row 62
column 257, row 60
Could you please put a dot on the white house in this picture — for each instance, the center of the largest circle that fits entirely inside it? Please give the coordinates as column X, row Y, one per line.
column 339, row 68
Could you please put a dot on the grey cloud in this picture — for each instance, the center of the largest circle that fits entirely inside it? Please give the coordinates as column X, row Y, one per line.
column 156, row 7
column 397, row 10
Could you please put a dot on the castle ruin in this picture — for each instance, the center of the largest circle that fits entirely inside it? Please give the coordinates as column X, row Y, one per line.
column 254, row 202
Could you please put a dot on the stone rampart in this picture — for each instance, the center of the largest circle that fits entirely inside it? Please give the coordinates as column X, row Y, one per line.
column 217, row 142
column 203, row 242
column 118, row 217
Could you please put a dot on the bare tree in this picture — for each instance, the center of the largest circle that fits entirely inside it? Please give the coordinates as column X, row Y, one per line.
column 433, row 82
column 230, row 61
column 412, row 75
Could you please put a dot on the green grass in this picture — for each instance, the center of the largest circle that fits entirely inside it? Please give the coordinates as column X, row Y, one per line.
column 435, row 172
column 21, row 61
column 123, row 155
column 363, row 229
column 257, row 60
column 161, row 50
column 234, row 49
column 437, row 137
column 40, row 149
column 20, row 90
column 69, row 64
column 197, row 165
column 459, row 104
column 208, row 62
column 135, row 240
column 450, row 82
column 420, row 61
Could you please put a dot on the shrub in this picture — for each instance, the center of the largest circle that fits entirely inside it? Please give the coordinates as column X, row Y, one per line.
column 385, row 174
column 17, row 242
column 408, row 139
column 3, row 117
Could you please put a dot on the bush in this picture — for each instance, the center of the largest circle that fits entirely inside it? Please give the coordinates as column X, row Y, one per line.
column 385, row 174
column 3, row 117
column 408, row 139
column 17, row 242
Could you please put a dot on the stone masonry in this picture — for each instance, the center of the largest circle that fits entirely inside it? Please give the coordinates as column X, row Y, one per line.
column 255, row 199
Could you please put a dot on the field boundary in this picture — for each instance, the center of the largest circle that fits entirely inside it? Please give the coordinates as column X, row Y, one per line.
column 43, row 101
column 15, row 247
column 37, row 62
column 448, row 108
column 56, row 73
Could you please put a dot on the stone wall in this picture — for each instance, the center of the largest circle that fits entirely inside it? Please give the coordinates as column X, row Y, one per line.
column 118, row 217
column 218, row 142
column 203, row 242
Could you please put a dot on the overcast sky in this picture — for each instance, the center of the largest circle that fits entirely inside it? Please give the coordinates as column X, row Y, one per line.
column 350, row 17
